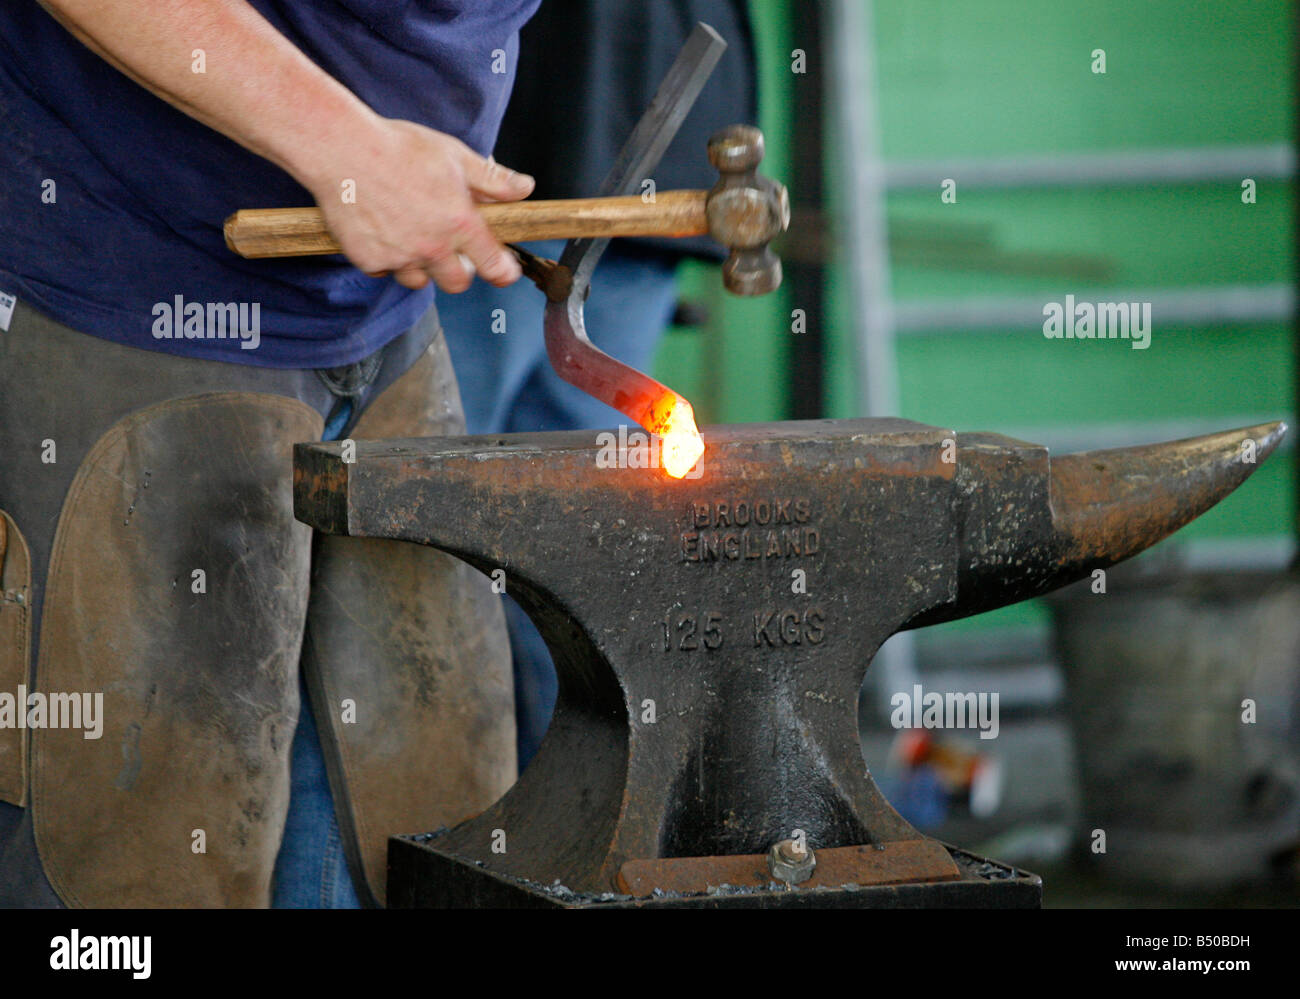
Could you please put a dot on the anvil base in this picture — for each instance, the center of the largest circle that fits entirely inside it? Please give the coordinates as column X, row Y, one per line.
column 422, row 876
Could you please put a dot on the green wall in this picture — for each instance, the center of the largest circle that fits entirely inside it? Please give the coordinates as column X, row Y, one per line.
column 998, row 78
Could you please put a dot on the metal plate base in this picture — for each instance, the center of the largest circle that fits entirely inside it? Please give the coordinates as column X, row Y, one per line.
column 422, row 876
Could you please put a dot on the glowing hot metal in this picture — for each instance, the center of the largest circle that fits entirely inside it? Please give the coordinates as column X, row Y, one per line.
column 636, row 395
column 682, row 447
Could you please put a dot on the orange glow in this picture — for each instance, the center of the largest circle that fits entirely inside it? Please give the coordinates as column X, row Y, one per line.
column 681, row 446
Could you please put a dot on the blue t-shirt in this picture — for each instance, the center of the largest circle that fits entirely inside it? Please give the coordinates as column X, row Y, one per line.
column 112, row 201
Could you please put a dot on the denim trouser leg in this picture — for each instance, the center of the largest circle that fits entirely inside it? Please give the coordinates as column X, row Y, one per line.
column 311, row 871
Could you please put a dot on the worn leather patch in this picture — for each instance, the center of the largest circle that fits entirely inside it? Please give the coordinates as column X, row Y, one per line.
column 15, row 653
column 177, row 590
column 408, row 662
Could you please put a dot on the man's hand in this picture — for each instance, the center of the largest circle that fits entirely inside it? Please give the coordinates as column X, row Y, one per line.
column 410, row 207
column 415, row 188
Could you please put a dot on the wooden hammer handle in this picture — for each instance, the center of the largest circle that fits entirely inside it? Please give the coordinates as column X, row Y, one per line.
column 294, row 232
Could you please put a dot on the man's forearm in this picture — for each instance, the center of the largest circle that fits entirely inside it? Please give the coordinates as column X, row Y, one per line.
column 256, row 87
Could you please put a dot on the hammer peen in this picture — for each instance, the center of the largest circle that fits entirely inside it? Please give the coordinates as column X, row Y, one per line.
column 744, row 211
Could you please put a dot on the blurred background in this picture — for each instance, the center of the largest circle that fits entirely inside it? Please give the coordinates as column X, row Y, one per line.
column 1124, row 712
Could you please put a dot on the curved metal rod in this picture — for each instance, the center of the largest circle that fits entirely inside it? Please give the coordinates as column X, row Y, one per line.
column 582, row 364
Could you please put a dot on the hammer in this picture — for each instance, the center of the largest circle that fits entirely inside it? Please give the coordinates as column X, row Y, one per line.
column 744, row 211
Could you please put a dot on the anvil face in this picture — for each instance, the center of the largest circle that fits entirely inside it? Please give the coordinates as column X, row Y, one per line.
column 711, row 634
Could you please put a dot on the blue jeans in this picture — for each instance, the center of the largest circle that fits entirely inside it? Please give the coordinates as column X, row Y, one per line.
column 311, row 871
column 507, row 385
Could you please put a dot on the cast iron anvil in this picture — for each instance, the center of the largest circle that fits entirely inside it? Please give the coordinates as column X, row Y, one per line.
column 711, row 634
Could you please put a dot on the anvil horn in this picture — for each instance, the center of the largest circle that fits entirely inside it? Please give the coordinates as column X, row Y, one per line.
column 1020, row 540
column 1109, row 505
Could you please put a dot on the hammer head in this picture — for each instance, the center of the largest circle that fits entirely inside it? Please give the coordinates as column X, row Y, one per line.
column 746, row 211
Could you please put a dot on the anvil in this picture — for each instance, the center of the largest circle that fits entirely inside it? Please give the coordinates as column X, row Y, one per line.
column 711, row 635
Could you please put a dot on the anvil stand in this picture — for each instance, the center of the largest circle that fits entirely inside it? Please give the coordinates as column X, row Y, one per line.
column 707, row 702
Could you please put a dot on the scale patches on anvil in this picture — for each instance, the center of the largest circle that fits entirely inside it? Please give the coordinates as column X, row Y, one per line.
column 754, row 528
